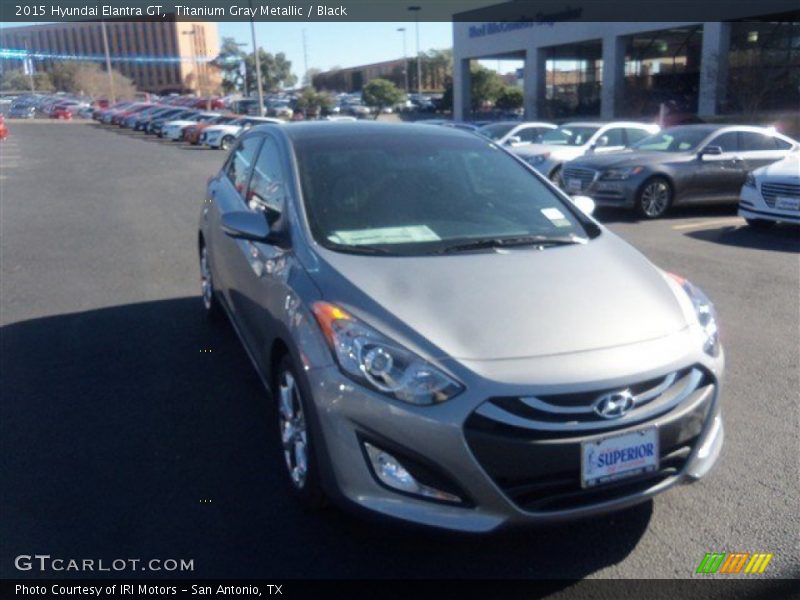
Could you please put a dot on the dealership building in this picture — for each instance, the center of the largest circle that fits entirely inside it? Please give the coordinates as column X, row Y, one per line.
column 625, row 69
column 160, row 57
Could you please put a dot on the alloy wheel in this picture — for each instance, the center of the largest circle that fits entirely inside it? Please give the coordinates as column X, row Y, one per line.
column 294, row 436
column 655, row 198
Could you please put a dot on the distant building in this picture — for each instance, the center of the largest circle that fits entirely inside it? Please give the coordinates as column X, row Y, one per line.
column 435, row 76
column 176, row 52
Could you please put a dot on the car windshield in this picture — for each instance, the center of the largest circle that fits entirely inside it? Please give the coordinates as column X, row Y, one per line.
column 416, row 194
column 569, row 135
column 674, row 139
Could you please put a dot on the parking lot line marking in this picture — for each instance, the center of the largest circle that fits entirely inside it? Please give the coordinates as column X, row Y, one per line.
column 703, row 224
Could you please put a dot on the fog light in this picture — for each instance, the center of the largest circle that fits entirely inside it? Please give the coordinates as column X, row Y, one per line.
column 393, row 474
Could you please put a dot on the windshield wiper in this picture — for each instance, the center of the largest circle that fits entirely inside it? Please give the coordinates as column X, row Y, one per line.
column 359, row 249
column 531, row 240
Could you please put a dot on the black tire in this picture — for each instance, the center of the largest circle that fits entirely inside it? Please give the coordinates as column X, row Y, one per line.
column 760, row 223
column 290, row 388
column 208, row 294
column 654, row 198
column 226, row 143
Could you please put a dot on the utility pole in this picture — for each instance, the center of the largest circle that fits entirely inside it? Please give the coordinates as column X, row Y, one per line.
column 258, row 62
column 112, row 96
column 405, row 58
column 415, row 10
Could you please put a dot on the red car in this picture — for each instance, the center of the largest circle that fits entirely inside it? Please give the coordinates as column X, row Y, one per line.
column 60, row 112
column 3, row 128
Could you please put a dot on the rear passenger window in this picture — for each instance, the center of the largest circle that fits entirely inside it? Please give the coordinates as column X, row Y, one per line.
column 781, row 144
column 240, row 162
column 750, row 141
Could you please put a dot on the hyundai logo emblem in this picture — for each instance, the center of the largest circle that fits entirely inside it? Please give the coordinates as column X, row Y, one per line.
column 614, row 405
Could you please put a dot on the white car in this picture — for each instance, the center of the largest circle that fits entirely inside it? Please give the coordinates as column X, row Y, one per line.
column 173, row 130
column 223, row 136
column 516, row 133
column 571, row 140
column 771, row 194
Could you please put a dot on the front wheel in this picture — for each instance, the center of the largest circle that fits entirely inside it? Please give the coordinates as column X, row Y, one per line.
column 298, row 442
column 760, row 223
column 654, row 198
column 226, row 142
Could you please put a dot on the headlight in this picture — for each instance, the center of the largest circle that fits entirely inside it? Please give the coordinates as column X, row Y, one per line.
column 750, row 181
column 705, row 312
column 379, row 363
column 538, row 159
column 621, row 174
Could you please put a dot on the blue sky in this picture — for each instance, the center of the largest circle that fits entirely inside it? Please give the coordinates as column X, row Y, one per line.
column 340, row 44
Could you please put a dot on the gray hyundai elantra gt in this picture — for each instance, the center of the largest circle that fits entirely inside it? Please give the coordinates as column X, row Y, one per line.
column 447, row 338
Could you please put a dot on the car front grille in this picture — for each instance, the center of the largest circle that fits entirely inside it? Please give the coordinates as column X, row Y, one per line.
column 531, row 447
column 771, row 191
column 585, row 176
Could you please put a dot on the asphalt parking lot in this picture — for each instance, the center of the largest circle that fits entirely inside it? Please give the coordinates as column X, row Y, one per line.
column 129, row 427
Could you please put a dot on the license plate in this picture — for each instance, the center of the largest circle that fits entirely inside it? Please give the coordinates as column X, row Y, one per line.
column 574, row 185
column 619, row 457
column 787, row 203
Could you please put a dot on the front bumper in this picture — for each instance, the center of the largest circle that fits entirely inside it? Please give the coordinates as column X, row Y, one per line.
column 478, row 462
column 752, row 205
column 613, row 193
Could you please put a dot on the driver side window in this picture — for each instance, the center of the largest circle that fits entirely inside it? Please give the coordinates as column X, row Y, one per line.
column 241, row 161
column 727, row 141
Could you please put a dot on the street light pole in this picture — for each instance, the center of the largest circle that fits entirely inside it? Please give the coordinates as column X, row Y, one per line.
column 405, row 57
column 258, row 62
column 415, row 10
column 112, row 97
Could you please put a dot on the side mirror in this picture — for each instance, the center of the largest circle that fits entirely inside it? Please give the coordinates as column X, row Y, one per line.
column 585, row 204
column 513, row 140
column 710, row 151
column 245, row 225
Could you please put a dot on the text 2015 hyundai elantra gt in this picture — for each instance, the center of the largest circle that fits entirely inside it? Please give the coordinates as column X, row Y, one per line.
column 448, row 339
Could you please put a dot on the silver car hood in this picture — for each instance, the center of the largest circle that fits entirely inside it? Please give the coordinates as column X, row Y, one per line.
column 508, row 304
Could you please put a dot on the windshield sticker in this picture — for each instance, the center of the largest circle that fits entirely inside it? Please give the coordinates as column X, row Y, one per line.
column 385, row 235
column 556, row 217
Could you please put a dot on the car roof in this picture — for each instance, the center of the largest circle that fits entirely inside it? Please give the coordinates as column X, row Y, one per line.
column 309, row 130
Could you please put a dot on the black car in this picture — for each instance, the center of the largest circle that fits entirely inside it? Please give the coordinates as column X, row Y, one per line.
column 679, row 165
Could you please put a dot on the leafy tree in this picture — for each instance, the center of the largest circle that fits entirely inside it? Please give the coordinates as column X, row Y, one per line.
column 15, row 80
column 276, row 70
column 381, row 93
column 43, row 82
column 312, row 102
column 229, row 62
column 63, row 75
column 486, row 87
column 92, row 80
column 510, row 98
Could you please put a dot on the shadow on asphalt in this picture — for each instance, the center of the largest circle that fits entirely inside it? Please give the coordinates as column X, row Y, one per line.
column 118, row 422
column 606, row 214
column 781, row 237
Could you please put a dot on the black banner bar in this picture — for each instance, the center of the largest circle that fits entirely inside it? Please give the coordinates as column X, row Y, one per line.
column 540, row 11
